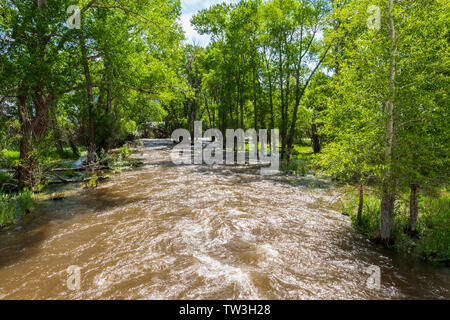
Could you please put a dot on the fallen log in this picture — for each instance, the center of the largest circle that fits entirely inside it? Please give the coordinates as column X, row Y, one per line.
column 67, row 181
column 79, row 169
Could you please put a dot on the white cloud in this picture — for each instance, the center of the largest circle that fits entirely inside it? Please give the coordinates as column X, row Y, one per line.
column 191, row 7
column 192, row 36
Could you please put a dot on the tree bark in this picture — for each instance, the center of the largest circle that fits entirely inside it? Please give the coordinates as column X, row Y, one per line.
column 237, row 100
column 387, row 213
column 25, row 168
column 272, row 121
column 74, row 147
column 315, row 139
column 207, row 110
column 58, row 135
column 255, row 109
column 283, row 113
column 336, row 23
column 388, row 198
column 413, row 209
column 90, row 96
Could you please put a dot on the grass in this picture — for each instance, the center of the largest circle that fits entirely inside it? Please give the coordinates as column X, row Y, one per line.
column 302, row 151
column 435, row 226
column 11, row 157
column 432, row 242
column 54, row 156
column 300, row 161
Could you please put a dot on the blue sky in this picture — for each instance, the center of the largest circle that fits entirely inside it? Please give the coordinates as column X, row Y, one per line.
column 189, row 8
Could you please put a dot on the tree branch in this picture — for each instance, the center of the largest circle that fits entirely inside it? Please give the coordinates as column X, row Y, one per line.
column 129, row 11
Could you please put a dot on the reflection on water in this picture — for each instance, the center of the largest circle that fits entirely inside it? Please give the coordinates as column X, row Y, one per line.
column 194, row 232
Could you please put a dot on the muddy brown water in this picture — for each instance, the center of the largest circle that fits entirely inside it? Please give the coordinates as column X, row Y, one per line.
column 196, row 232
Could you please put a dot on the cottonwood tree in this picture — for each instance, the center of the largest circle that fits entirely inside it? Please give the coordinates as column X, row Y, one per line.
column 120, row 48
column 389, row 95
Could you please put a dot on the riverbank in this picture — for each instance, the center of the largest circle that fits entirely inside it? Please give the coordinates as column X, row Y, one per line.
column 202, row 232
column 61, row 171
column 430, row 242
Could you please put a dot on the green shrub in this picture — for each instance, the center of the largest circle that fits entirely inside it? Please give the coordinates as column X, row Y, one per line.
column 126, row 130
column 432, row 242
column 370, row 218
column 92, row 183
column 125, row 151
column 435, row 229
column 14, row 206
column 295, row 166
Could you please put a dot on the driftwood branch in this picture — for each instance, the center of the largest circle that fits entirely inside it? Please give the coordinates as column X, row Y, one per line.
column 129, row 11
column 61, row 180
column 79, row 169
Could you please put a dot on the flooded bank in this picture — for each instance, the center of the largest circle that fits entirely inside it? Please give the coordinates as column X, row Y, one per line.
column 198, row 232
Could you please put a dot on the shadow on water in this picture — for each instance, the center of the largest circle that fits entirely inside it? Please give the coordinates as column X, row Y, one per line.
column 23, row 240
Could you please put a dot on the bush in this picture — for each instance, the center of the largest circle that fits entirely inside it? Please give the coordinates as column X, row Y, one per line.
column 435, row 229
column 124, row 151
column 295, row 166
column 432, row 242
column 370, row 218
column 127, row 130
column 14, row 206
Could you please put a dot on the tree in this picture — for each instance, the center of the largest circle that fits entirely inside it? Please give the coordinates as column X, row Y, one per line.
column 385, row 104
column 120, row 56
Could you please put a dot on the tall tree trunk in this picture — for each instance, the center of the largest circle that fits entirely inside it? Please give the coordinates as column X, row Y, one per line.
column 25, row 168
column 299, row 92
column 283, row 113
column 207, row 110
column 272, row 121
column 241, row 105
column 360, row 205
column 388, row 198
column 58, row 134
column 255, row 109
column 290, row 138
column 31, row 130
column 90, row 96
column 231, row 113
column 108, row 100
column 237, row 100
column 336, row 23
column 73, row 146
column 413, row 208
column 387, row 213
column 315, row 139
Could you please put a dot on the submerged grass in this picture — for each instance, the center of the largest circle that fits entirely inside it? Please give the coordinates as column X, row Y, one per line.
column 300, row 161
column 432, row 241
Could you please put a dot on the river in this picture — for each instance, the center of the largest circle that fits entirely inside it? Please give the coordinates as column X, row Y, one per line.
column 200, row 232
